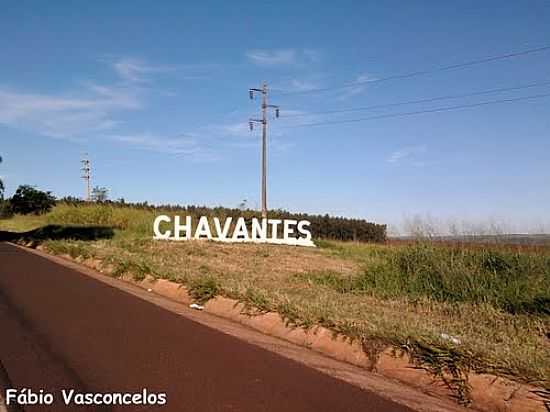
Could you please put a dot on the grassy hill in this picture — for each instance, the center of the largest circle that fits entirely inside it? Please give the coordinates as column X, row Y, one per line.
column 448, row 304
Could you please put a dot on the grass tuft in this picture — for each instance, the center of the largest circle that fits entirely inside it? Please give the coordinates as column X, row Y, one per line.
column 448, row 364
column 203, row 289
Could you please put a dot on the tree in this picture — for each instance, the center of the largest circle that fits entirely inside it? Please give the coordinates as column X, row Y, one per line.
column 243, row 205
column 5, row 210
column 1, row 185
column 100, row 194
column 28, row 200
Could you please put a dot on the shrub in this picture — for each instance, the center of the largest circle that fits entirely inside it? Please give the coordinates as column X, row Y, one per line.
column 5, row 210
column 27, row 200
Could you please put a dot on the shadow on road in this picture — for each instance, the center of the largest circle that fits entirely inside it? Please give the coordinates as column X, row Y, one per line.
column 59, row 232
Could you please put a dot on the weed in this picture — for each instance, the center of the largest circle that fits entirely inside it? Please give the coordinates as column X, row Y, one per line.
column 138, row 269
column 263, row 253
column 373, row 348
column 203, row 289
column 120, row 269
column 325, row 244
column 255, row 301
column 204, row 269
column 451, row 366
column 73, row 249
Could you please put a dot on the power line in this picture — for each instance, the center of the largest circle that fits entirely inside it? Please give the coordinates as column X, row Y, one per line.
column 424, row 72
column 435, row 110
column 426, row 100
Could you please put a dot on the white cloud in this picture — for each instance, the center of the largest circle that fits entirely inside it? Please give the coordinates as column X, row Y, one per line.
column 193, row 147
column 65, row 116
column 358, row 86
column 407, row 153
column 237, row 135
column 122, row 97
column 88, row 109
column 243, row 138
column 237, row 129
column 203, row 144
column 282, row 57
column 312, row 55
column 174, row 145
column 397, row 156
column 303, row 85
column 136, row 70
column 275, row 144
column 93, row 108
column 293, row 113
column 296, row 85
column 272, row 57
column 290, row 118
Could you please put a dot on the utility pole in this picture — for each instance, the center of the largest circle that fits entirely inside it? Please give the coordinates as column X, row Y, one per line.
column 86, row 174
column 263, row 121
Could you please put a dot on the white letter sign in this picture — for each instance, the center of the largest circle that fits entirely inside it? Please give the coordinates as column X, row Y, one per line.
column 294, row 232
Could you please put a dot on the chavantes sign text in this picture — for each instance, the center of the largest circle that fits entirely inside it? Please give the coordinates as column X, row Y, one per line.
column 284, row 232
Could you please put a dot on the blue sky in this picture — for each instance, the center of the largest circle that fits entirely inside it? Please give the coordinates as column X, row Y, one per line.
column 156, row 93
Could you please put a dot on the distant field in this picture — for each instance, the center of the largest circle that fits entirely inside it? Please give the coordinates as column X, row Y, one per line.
column 484, row 308
column 509, row 239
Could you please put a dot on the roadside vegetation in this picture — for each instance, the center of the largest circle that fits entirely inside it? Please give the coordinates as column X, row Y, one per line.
column 451, row 307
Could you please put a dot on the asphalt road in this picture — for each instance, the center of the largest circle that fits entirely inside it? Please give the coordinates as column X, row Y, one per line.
column 60, row 329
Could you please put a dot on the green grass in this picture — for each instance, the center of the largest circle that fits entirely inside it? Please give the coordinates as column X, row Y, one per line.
column 204, row 288
column 74, row 248
column 514, row 282
column 135, row 221
column 20, row 223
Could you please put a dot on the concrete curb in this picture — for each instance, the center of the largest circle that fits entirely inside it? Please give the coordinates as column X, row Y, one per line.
column 489, row 392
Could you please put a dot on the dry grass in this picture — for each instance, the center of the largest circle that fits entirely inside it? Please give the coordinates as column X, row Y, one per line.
column 282, row 279
column 287, row 280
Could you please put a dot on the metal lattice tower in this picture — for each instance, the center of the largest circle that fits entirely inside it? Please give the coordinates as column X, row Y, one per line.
column 86, row 169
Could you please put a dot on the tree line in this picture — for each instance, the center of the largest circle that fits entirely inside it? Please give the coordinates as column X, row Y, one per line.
column 29, row 200
column 322, row 226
